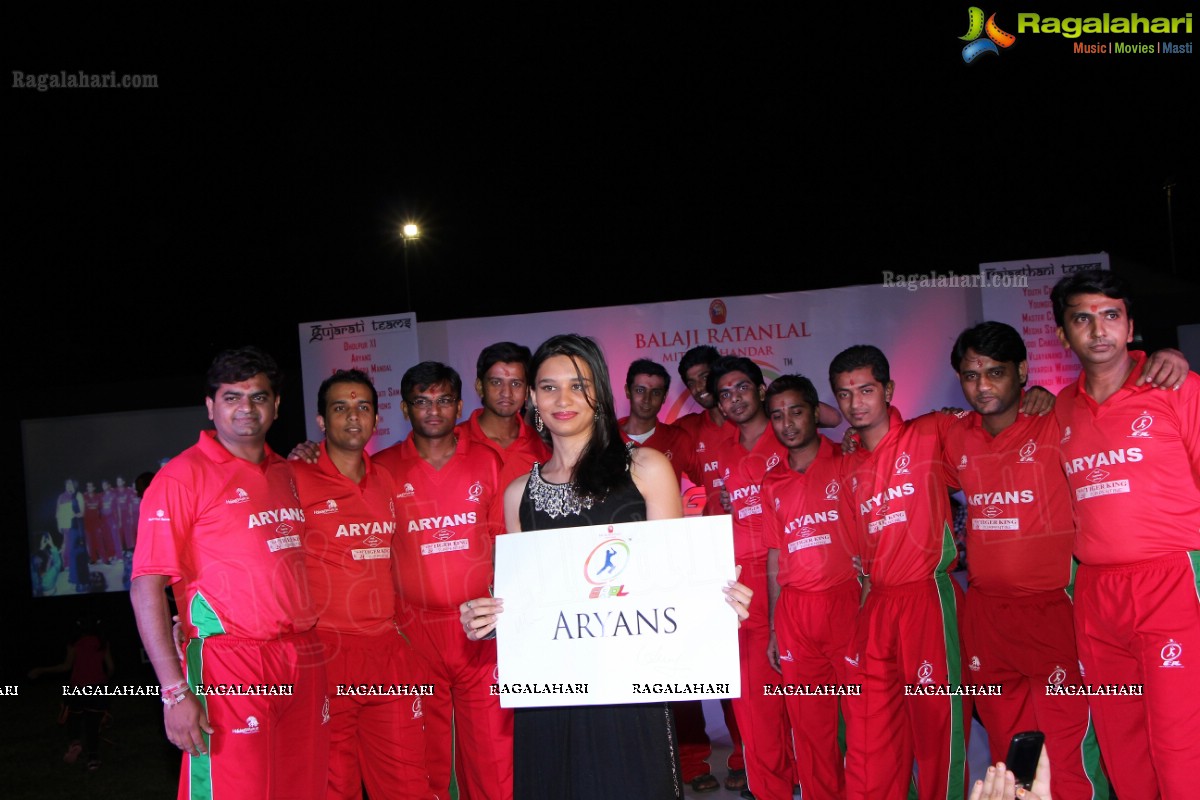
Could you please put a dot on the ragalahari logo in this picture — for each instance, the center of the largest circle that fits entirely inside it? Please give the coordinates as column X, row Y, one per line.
column 976, row 28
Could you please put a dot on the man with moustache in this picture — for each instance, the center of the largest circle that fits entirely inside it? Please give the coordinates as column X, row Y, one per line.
column 1132, row 458
column 502, row 382
column 1017, row 628
column 217, row 520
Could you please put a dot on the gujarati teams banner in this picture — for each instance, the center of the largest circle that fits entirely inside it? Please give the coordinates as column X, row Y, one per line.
column 382, row 347
column 617, row 614
column 1028, row 309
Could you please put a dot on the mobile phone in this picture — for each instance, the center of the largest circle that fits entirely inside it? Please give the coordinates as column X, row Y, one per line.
column 1023, row 753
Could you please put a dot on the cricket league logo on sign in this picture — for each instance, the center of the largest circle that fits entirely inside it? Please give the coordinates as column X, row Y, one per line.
column 604, row 566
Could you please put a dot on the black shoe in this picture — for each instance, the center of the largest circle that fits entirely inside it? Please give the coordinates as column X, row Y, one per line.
column 705, row 783
column 736, row 781
column 746, row 794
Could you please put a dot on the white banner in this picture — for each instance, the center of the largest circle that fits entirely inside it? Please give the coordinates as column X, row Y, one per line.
column 1028, row 309
column 382, row 347
column 622, row 613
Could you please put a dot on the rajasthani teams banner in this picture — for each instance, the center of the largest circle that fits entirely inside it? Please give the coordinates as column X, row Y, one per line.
column 382, row 347
column 622, row 613
column 790, row 332
column 1028, row 309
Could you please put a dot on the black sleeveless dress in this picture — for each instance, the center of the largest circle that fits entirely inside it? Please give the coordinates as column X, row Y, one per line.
column 591, row 752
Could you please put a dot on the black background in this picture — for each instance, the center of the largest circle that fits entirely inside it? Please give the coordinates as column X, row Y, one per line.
column 554, row 159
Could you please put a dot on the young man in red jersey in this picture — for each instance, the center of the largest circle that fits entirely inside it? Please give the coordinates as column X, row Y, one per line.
column 812, row 584
column 646, row 386
column 377, row 735
column 906, row 636
column 1132, row 458
column 1017, row 627
column 705, row 429
column 447, row 519
column 502, row 382
column 745, row 458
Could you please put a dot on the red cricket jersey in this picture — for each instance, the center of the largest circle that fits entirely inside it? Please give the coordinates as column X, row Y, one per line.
column 901, row 500
column 228, row 533
column 1133, row 465
column 702, row 467
column 348, row 545
column 516, row 459
column 1020, row 529
column 446, row 524
column 806, row 516
column 670, row 440
column 745, row 470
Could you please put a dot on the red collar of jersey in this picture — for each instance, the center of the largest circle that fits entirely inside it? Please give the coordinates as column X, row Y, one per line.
column 216, row 451
column 1139, row 363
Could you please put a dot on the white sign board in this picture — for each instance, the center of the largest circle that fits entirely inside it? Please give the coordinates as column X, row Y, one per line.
column 1028, row 309
column 382, row 347
column 622, row 613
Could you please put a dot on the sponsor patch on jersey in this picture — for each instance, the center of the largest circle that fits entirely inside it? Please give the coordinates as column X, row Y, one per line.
column 434, row 548
column 283, row 543
column 369, row 553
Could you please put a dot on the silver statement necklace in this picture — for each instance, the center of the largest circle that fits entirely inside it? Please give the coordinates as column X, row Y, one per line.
column 555, row 499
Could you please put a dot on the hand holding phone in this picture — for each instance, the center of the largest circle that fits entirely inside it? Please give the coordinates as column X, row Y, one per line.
column 1023, row 754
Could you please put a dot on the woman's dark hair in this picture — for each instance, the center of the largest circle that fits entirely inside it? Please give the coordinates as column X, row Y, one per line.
column 604, row 459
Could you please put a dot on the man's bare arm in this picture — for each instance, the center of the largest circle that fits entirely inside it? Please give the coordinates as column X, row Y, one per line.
column 185, row 722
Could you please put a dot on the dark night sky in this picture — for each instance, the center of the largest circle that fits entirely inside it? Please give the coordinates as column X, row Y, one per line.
column 554, row 159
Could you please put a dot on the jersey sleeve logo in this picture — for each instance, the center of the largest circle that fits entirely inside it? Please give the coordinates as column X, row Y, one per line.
column 1140, row 429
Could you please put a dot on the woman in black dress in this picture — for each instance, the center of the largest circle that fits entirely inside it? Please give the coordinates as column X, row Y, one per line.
column 592, row 478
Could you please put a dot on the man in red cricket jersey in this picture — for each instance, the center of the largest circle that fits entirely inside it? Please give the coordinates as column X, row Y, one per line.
column 906, row 636
column 705, row 428
column 1132, row 458
column 377, row 737
column 812, row 585
column 744, row 460
column 447, row 520
column 502, row 381
column 1017, row 627
column 646, row 385
column 216, row 521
